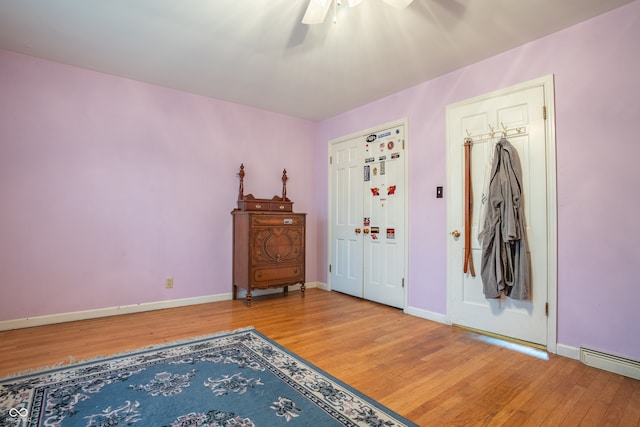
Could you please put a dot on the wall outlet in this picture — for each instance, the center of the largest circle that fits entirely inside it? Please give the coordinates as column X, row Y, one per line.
column 169, row 282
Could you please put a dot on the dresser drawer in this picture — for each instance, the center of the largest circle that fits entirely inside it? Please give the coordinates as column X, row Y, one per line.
column 265, row 276
column 280, row 206
column 276, row 220
column 254, row 206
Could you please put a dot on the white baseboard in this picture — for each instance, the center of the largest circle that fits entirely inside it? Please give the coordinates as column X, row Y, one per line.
column 568, row 351
column 6, row 325
column 28, row 322
column 429, row 315
column 318, row 285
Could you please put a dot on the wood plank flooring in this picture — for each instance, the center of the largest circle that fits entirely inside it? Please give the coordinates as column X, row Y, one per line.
column 433, row 374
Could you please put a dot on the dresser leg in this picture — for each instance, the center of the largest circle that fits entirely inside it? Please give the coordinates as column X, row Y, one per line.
column 302, row 288
column 286, row 290
column 249, row 298
column 234, row 292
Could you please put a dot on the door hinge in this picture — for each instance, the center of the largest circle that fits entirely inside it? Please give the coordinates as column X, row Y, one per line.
column 546, row 309
column 330, row 160
column 329, row 268
column 403, row 144
column 544, row 112
column 403, row 282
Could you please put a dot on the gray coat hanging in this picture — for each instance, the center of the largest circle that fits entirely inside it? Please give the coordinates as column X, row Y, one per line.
column 505, row 261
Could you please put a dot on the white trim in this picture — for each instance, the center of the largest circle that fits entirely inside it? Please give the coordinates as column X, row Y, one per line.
column 568, row 351
column 49, row 319
column 28, row 322
column 547, row 83
column 428, row 315
column 375, row 129
column 319, row 285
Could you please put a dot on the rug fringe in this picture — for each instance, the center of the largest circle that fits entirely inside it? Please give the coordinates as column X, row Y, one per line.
column 72, row 361
column 33, row 371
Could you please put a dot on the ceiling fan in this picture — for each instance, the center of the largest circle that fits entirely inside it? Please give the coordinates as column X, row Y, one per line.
column 317, row 9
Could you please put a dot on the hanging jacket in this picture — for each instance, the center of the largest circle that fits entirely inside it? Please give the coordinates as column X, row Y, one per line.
column 505, row 261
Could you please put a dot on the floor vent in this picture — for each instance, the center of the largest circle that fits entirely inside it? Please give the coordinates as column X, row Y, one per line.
column 608, row 362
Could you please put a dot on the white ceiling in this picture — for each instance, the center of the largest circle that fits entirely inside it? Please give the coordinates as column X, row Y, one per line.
column 258, row 53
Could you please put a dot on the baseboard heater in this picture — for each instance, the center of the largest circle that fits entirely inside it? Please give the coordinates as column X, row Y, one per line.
column 608, row 362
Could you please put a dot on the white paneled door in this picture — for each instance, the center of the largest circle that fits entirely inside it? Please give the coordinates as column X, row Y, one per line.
column 522, row 115
column 346, row 217
column 367, row 215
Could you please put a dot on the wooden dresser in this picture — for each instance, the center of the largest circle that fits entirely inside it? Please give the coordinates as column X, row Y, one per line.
column 268, row 243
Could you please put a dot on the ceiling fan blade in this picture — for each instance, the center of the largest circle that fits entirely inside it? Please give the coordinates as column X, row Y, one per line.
column 399, row 4
column 316, row 12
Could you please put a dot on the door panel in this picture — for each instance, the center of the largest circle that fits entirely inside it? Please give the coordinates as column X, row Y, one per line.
column 523, row 110
column 384, row 206
column 346, row 189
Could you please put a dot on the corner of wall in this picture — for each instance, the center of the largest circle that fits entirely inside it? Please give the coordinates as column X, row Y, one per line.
column 428, row 315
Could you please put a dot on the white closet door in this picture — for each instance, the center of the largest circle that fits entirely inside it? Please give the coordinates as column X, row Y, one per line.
column 384, row 208
column 346, row 216
column 367, row 217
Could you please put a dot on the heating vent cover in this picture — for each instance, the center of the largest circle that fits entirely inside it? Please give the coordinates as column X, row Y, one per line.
column 608, row 362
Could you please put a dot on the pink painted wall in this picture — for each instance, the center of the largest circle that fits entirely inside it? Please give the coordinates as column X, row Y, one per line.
column 596, row 66
column 108, row 186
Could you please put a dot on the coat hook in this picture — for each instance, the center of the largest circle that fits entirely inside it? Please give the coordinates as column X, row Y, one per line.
column 504, row 129
column 492, row 132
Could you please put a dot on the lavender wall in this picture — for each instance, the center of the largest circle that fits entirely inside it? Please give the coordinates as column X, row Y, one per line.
column 596, row 66
column 108, row 186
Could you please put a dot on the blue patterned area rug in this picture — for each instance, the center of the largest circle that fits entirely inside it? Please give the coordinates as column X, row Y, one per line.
column 239, row 378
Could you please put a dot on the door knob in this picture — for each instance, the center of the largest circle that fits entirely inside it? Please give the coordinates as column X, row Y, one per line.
column 455, row 233
column 366, row 231
column 358, row 231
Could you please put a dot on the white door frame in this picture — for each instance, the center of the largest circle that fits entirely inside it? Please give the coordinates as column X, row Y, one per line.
column 405, row 156
column 547, row 83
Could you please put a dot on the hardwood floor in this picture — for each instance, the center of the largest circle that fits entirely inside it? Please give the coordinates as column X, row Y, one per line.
column 431, row 373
